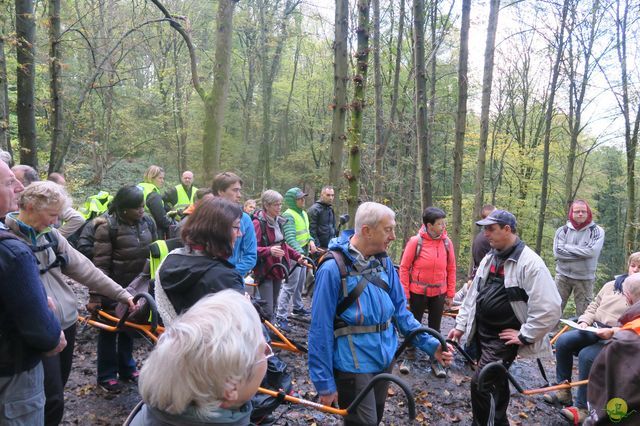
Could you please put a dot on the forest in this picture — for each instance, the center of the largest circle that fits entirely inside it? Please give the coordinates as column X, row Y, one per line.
column 527, row 105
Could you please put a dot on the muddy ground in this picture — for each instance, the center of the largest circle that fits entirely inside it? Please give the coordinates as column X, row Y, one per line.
column 438, row 401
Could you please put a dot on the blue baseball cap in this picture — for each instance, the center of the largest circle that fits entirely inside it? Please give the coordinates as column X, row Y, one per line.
column 501, row 217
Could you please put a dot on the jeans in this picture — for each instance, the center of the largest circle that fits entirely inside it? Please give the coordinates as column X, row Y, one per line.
column 586, row 345
column 56, row 373
column 291, row 293
column 269, row 290
column 22, row 398
column 115, row 356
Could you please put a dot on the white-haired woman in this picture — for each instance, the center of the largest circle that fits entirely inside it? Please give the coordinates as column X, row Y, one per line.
column 206, row 366
column 272, row 249
column 39, row 207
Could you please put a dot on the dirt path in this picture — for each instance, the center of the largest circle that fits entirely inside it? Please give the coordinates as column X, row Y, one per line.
column 438, row 401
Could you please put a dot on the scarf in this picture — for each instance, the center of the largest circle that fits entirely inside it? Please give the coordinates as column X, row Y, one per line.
column 587, row 222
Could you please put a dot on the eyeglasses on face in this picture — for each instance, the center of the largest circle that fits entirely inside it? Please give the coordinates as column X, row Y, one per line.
column 268, row 353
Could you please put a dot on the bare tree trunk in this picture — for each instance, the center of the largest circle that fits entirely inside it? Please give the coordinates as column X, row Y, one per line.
column 396, row 79
column 26, row 73
column 5, row 142
column 56, row 118
column 379, row 133
column 461, row 124
column 630, row 137
column 424, row 162
column 216, row 102
column 269, row 73
column 359, row 83
column 431, row 110
column 340, row 79
column 178, row 112
column 487, row 80
column 548, row 119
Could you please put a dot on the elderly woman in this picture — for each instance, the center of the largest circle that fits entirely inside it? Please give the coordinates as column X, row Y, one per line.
column 40, row 205
column 201, row 267
column 206, row 366
column 153, row 204
column 120, row 250
column 610, row 303
column 272, row 249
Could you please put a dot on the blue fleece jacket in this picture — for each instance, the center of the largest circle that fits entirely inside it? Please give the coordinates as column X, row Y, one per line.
column 27, row 326
column 374, row 351
column 245, row 250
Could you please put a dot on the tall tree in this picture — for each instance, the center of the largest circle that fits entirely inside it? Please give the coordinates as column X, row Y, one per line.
column 487, row 80
column 584, row 34
column 420, row 102
column 5, row 142
column 56, row 119
column 270, row 60
column 461, row 123
column 216, row 102
column 359, row 85
column 340, row 80
column 631, row 123
column 26, row 75
column 377, row 86
column 548, row 121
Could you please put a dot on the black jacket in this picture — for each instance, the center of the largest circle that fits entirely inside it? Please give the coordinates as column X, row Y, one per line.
column 322, row 223
column 186, row 277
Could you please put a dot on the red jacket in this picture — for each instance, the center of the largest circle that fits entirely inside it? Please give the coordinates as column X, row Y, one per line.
column 434, row 271
column 265, row 258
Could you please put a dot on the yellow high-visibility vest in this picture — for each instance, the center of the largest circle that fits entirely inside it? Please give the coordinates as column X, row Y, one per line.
column 302, row 226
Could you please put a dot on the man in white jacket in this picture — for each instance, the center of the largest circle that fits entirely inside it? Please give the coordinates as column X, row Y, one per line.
column 511, row 306
column 576, row 247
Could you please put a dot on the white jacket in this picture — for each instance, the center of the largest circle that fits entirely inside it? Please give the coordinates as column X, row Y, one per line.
column 539, row 314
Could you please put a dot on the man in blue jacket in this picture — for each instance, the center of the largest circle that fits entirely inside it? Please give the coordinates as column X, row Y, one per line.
column 28, row 328
column 349, row 343
column 245, row 252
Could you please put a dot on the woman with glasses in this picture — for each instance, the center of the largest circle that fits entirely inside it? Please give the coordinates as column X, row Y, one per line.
column 272, row 249
column 206, row 366
column 200, row 267
column 40, row 206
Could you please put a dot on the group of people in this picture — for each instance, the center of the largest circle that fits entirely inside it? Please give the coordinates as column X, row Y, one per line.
column 213, row 354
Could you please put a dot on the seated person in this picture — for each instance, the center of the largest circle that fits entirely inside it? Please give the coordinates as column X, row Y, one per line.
column 206, row 366
column 604, row 311
column 614, row 382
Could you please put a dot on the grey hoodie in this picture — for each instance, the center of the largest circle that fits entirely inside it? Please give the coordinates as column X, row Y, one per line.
column 577, row 252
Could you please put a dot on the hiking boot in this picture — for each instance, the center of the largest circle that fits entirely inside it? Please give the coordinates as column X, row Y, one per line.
column 110, row 386
column 563, row 396
column 283, row 325
column 404, row 367
column 133, row 378
column 302, row 312
column 438, row 370
column 576, row 415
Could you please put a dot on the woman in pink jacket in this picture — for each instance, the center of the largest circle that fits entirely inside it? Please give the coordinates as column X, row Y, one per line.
column 428, row 273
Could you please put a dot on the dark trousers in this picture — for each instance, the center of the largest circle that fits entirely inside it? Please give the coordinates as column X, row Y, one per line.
column 115, row 356
column 371, row 409
column 434, row 305
column 492, row 349
column 56, row 373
